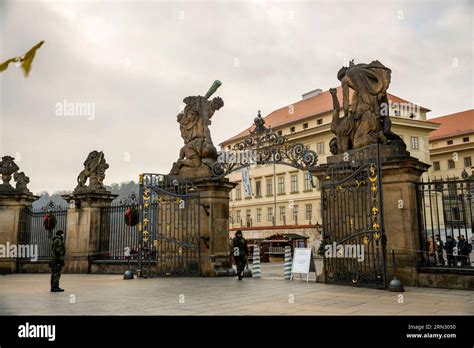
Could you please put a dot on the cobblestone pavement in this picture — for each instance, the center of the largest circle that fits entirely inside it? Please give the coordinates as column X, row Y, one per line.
column 28, row 294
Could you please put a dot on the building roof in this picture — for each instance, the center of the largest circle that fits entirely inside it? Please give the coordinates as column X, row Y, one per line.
column 454, row 124
column 305, row 108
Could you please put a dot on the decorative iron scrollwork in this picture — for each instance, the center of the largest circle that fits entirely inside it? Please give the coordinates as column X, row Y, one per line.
column 268, row 147
column 51, row 207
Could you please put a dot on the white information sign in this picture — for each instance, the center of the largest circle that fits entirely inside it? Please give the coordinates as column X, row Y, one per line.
column 303, row 262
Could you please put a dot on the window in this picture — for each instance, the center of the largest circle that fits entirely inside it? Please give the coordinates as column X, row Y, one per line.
column 292, row 129
column 309, row 211
column 283, row 214
column 269, row 187
column 258, row 188
column 259, row 214
column 238, row 191
column 319, row 121
column 281, row 185
column 307, row 182
column 295, row 214
column 451, row 164
column 280, row 132
column 300, row 243
column 452, row 190
column 294, row 183
column 465, row 140
column 449, row 142
column 436, row 165
column 270, row 214
column 414, row 143
column 467, row 162
column 305, row 126
column 238, row 218
column 320, row 148
column 456, row 214
column 248, row 213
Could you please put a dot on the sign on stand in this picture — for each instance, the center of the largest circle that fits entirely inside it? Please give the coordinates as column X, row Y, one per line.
column 303, row 263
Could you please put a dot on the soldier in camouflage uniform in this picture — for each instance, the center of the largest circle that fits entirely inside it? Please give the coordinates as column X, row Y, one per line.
column 57, row 260
column 239, row 250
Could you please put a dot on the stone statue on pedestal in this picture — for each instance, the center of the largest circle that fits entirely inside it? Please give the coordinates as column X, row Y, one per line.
column 365, row 118
column 21, row 181
column 198, row 154
column 94, row 170
column 7, row 168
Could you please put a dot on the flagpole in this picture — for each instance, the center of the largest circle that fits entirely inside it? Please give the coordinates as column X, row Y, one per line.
column 274, row 195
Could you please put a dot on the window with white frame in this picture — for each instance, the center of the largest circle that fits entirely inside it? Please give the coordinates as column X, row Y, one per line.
column 238, row 191
column 281, row 184
column 270, row 214
column 283, row 214
column 295, row 213
column 320, row 148
column 269, row 184
column 294, row 183
column 309, row 211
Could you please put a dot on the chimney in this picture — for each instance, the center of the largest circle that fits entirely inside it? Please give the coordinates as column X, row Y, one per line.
column 312, row 93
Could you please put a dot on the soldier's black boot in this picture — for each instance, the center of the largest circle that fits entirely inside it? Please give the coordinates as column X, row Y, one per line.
column 58, row 289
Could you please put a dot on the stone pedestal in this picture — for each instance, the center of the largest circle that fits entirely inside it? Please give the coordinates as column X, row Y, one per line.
column 214, row 224
column 399, row 179
column 83, row 228
column 13, row 222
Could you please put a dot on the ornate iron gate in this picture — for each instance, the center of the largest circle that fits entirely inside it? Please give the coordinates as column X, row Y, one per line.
column 353, row 230
column 32, row 230
column 169, row 235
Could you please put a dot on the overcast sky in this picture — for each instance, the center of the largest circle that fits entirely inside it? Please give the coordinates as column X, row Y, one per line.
column 135, row 61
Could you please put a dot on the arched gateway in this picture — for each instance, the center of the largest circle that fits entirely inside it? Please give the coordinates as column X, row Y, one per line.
column 184, row 215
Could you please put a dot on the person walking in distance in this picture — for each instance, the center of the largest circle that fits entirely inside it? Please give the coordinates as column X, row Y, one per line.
column 239, row 250
column 450, row 246
column 464, row 250
column 439, row 250
column 57, row 260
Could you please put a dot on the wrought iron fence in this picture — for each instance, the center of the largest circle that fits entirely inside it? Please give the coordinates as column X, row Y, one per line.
column 33, row 232
column 446, row 216
column 115, row 235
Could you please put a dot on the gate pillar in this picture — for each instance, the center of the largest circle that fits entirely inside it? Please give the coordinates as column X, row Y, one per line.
column 214, row 225
column 399, row 179
column 83, row 228
column 13, row 205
